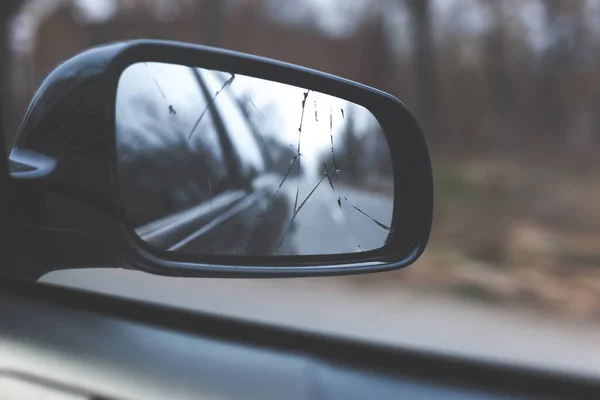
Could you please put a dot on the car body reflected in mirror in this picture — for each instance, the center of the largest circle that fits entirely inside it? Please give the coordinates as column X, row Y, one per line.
column 211, row 162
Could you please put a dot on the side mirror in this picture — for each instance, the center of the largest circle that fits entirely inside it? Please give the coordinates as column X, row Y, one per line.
column 186, row 160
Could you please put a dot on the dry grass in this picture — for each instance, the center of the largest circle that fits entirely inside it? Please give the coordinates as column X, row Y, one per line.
column 514, row 233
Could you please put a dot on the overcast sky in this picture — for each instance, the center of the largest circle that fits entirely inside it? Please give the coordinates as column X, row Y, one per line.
column 338, row 17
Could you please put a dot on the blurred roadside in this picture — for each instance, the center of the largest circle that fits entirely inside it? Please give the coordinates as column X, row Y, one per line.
column 507, row 93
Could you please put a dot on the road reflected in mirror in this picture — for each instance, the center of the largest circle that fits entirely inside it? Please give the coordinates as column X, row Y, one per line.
column 211, row 162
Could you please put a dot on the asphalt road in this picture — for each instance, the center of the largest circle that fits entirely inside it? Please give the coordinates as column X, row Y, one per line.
column 323, row 227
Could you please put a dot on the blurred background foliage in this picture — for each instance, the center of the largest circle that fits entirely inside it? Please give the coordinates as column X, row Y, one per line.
column 507, row 93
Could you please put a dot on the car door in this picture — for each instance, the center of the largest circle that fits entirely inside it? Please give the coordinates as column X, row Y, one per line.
column 172, row 162
column 264, row 214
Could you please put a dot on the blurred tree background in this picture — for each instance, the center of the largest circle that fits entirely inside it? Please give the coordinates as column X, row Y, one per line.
column 7, row 10
column 507, row 93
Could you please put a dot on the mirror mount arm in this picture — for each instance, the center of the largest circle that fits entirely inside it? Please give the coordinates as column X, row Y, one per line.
column 44, row 245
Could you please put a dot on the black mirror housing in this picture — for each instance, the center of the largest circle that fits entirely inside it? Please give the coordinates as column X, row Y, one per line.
column 64, row 169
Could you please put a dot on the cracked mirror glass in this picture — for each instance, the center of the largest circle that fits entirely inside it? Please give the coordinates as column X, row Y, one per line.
column 212, row 162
